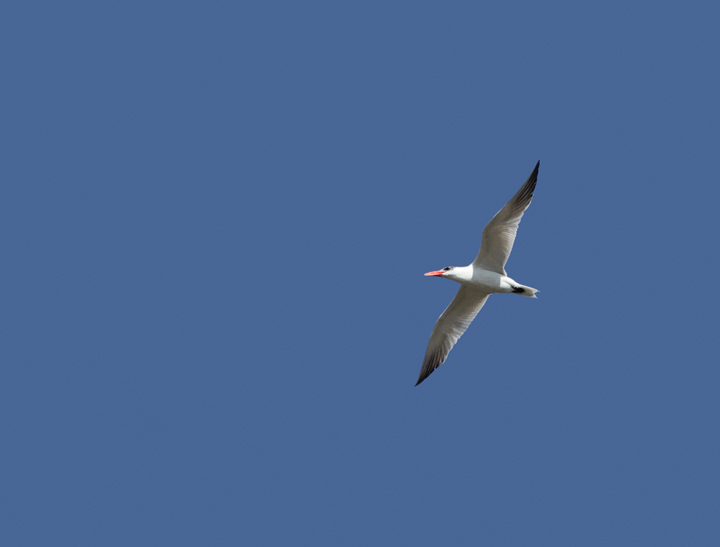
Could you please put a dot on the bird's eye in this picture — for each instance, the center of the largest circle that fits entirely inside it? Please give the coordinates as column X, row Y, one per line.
column 446, row 268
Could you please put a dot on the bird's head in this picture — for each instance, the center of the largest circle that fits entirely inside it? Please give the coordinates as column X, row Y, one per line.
column 461, row 274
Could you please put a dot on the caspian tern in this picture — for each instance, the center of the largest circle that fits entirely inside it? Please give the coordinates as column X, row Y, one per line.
column 485, row 276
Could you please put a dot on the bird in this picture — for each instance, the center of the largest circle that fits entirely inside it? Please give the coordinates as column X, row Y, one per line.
column 485, row 276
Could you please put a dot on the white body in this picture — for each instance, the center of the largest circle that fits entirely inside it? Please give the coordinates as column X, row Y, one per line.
column 483, row 280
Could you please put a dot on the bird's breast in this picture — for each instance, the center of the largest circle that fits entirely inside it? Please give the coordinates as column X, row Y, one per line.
column 487, row 281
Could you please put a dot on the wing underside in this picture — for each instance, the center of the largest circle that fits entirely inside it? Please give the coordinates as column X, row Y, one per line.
column 498, row 236
column 450, row 326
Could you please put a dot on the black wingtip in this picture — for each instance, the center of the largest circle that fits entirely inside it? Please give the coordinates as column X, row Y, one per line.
column 422, row 378
column 526, row 190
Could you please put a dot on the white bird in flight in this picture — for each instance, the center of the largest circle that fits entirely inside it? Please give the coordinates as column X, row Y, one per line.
column 485, row 276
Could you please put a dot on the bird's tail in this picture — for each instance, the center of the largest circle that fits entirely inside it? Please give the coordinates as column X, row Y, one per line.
column 525, row 291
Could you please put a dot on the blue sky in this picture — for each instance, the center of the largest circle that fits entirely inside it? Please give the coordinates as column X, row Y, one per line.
column 215, row 218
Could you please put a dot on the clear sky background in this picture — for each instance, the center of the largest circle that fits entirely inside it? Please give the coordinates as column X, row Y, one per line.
column 214, row 221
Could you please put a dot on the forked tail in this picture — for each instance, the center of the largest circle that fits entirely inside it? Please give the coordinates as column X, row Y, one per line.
column 525, row 291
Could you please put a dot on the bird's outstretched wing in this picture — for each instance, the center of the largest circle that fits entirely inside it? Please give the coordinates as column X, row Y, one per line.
column 451, row 325
column 499, row 234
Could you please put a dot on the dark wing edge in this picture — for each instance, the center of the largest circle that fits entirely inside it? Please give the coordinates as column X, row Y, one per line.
column 521, row 200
